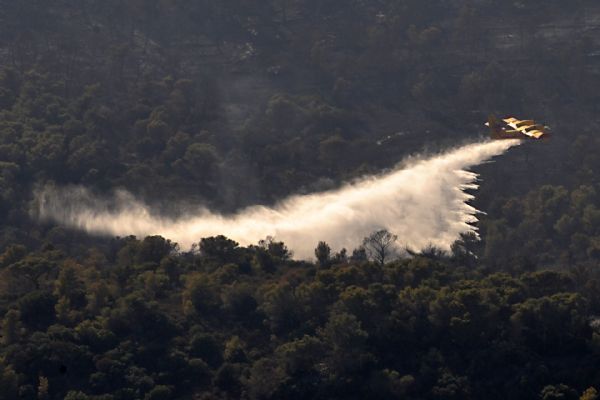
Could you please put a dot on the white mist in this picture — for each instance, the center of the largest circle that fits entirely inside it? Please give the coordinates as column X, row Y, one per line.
column 423, row 202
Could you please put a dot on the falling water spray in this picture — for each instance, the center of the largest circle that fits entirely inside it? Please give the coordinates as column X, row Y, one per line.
column 423, row 201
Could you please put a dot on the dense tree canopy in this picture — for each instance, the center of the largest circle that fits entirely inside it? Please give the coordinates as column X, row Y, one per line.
column 233, row 103
column 417, row 327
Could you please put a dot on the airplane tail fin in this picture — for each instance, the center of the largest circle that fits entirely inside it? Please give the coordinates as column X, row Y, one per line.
column 494, row 126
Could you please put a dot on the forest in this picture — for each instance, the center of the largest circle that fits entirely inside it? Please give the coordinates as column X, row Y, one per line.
column 234, row 103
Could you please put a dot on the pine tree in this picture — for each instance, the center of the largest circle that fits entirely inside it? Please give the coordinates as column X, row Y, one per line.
column 10, row 327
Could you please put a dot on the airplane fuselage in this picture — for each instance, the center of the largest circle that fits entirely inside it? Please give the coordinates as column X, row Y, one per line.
column 513, row 128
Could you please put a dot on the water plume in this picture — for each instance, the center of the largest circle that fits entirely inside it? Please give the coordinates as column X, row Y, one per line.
column 423, row 201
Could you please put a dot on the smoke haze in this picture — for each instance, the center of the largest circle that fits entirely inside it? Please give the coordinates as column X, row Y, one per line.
column 422, row 201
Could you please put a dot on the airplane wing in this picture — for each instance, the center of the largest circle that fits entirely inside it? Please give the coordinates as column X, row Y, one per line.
column 526, row 122
column 512, row 122
column 534, row 134
column 513, row 125
column 525, row 128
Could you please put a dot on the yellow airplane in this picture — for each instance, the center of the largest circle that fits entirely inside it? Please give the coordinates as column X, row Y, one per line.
column 513, row 128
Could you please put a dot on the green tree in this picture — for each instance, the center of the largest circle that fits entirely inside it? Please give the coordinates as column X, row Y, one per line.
column 556, row 392
column 9, row 384
column 240, row 300
column 235, row 350
column 344, row 335
column 37, row 310
column 32, row 269
column 12, row 254
column 154, row 248
column 76, row 395
column 228, row 378
column 69, row 284
column 219, row 248
column 208, row 348
column 323, row 254
column 202, row 294
column 589, row 394
column 282, row 308
column 10, row 327
column 43, row 388
column 551, row 324
column 267, row 379
column 200, row 162
column 301, row 356
column 159, row 392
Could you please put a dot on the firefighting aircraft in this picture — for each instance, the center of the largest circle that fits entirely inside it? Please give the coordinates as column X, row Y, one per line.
column 513, row 128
